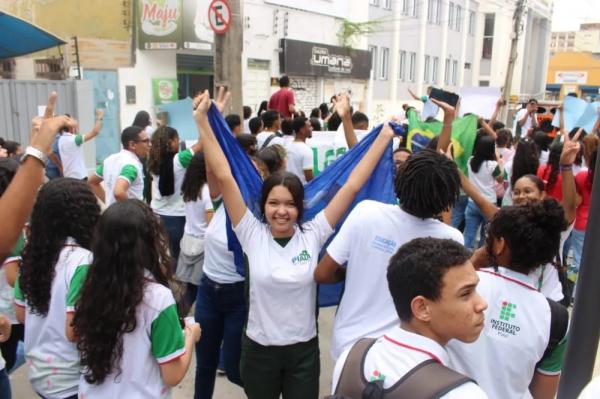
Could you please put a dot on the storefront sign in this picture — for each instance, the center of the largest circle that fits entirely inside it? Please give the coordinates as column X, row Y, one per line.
column 312, row 59
column 579, row 77
column 164, row 90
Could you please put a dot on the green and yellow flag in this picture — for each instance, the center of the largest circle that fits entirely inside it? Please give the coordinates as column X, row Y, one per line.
column 464, row 131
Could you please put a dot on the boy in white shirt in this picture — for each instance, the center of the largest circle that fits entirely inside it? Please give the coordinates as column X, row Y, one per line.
column 300, row 155
column 71, row 151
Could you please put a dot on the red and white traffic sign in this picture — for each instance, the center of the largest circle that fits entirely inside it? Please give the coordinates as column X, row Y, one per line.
column 219, row 16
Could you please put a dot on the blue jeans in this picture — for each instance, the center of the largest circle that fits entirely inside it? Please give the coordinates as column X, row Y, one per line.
column 174, row 226
column 5, row 392
column 577, row 239
column 458, row 212
column 473, row 220
column 221, row 310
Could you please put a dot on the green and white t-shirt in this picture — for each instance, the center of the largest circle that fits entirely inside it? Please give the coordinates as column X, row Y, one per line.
column 54, row 361
column 7, row 296
column 157, row 339
column 122, row 165
column 172, row 205
column 71, row 155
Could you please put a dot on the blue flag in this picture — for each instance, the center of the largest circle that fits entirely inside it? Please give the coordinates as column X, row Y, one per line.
column 317, row 193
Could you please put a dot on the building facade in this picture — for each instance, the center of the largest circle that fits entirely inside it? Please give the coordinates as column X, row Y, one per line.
column 586, row 39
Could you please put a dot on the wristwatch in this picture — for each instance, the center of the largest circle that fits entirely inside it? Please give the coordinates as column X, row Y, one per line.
column 37, row 154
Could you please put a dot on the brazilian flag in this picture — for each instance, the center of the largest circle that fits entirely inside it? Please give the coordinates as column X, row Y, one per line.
column 464, row 131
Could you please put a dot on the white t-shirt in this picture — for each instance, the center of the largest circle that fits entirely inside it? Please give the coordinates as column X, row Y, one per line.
column 71, row 155
column 246, row 126
column 369, row 237
column 514, row 339
column 388, row 361
column 300, row 158
column 195, row 214
column 484, row 179
column 53, row 360
column 282, row 289
column 157, row 339
column 122, row 165
column 172, row 205
column 506, row 154
column 219, row 264
column 527, row 123
column 263, row 136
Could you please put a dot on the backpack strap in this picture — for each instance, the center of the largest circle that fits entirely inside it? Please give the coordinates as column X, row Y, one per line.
column 559, row 323
column 428, row 380
column 352, row 382
column 269, row 139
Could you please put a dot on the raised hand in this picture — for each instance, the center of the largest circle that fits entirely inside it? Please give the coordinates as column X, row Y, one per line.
column 223, row 96
column 44, row 130
column 341, row 104
column 449, row 110
column 201, row 105
column 570, row 149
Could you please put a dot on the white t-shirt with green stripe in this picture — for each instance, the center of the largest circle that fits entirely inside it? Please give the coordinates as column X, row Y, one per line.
column 54, row 361
column 157, row 339
column 122, row 165
column 71, row 155
column 172, row 205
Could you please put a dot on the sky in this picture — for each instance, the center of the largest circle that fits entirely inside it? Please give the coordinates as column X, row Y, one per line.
column 568, row 14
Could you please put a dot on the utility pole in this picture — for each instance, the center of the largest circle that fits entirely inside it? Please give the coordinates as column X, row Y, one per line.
column 76, row 54
column 512, row 59
column 228, row 58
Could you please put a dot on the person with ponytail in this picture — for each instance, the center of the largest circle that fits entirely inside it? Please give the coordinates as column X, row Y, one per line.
column 59, row 240
column 167, row 166
column 550, row 172
column 126, row 324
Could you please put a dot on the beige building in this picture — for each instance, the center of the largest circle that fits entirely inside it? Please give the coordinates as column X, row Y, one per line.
column 586, row 39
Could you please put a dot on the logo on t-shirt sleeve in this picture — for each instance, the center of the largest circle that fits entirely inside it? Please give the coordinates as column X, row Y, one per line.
column 384, row 244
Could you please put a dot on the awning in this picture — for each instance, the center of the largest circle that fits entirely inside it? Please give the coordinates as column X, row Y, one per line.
column 589, row 89
column 19, row 37
column 552, row 87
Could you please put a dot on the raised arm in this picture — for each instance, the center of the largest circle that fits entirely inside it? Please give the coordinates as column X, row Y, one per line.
column 487, row 128
column 344, row 197
column 487, row 208
column 526, row 115
column 341, row 104
column 97, row 126
column 216, row 160
column 413, row 95
column 446, row 134
column 499, row 105
column 567, row 157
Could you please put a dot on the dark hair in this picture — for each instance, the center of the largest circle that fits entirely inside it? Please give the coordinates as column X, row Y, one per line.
column 402, row 149
column 428, row 184
column 532, row 233
column 316, row 124
column 289, row 181
column 539, row 183
column 2, row 141
column 498, row 125
column 298, row 124
column 550, row 174
column 532, row 100
column 433, row 143
column 11, row 147
column 592, row 168
column 248, row 143
column 525, row 161
column 284, row 81
column 142, row 119
column 65, row 207
column 128, row 241
column 269, row 118
column 131, row 133
column 247, row 112
column 262, row 107
column 324, row 110
column 484, row 150
column 194, row 178
column 287, row 127
column 418, row 269
column 359, row 117
column 315, row 113
column 255, row 124
column 8, row 170
column 160, row 160
column 504, row 138
column 233, row 121
column 541, row 140
column 271, row 158
column 334, row 122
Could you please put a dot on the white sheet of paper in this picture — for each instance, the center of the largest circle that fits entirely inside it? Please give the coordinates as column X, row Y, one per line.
column 574, row 108
column 429, row 109
column 478, row 100
column 41, row 110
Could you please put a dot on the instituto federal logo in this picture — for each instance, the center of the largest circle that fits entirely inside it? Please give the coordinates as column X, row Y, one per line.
column 505, row 325
column 506, row 313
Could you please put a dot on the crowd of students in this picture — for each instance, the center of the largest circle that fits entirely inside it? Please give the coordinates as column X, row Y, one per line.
column 453, row 292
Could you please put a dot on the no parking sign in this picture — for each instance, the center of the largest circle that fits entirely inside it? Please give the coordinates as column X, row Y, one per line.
column 219, row 16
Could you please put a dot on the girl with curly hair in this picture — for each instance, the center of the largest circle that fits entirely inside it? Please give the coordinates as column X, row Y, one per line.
column 126, row 323
column 167, row 166
column 59, row 238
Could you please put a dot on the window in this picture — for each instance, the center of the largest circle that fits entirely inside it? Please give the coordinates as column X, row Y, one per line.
column 383, row 66
column 484, row 83
column 411, row 66
column 373, row 51
column 373, row 2
column 433, row 11
column 454, row 71
column 409, row 7
column 451, row 15
column 447, row 71
column 488, row 36
column 426, row 69
column 434, row 70
column 405, row 7
column 471, row 23
column 387, row 4
column 458, row 18
column 402, row 66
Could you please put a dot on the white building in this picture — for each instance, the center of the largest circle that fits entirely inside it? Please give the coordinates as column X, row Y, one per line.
column 586, row 39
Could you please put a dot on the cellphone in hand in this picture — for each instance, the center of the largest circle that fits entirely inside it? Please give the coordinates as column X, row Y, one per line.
column 445, row 96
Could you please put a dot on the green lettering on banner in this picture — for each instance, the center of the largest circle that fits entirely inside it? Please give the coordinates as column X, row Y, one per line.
column 340, row 151
column 329, row 157
column 316, row 170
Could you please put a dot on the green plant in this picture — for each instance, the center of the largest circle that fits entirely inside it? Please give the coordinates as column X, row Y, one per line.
column 349, row 31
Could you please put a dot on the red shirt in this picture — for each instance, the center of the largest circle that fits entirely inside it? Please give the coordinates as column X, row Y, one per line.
column 584, row 188
column 281, row 100
column 556, row 191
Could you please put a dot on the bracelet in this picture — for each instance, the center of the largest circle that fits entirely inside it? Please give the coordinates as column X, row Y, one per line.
column 565, row 168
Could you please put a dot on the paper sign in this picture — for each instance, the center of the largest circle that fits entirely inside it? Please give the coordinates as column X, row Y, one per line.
column 41, row 110
column 180, row 118
column 573, row 108
column 429, row 110
column 480, row 101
